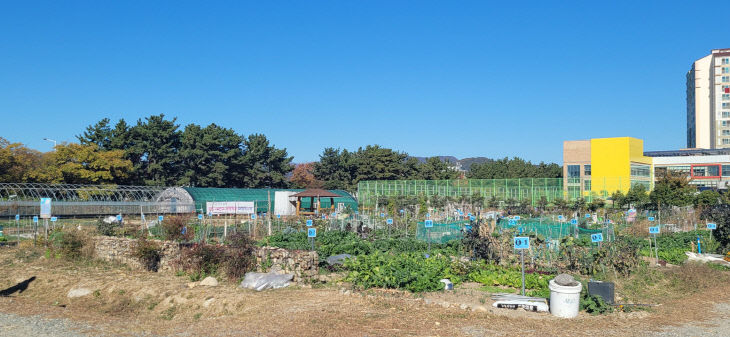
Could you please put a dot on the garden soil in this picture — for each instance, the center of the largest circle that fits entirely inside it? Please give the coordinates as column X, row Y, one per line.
column 127, row 302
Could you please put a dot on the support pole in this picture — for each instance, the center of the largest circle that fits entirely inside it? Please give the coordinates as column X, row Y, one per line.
column 522, row 262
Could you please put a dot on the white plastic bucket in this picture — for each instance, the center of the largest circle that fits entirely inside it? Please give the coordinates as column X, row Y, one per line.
column 564, row 300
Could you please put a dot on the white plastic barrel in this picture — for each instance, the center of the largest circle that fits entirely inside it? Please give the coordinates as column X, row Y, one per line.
column 564, row 300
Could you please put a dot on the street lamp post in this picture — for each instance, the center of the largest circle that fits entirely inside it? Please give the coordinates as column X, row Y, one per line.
column 51, row 140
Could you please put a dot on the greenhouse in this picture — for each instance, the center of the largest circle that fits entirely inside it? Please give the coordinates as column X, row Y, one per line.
column 93, row 200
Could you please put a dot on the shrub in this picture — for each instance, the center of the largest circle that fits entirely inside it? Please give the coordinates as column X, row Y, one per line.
column 719, row 214
column 239, row 257
column 148, row 253
column 106, row 228
column 72, row 245
column 172, row 228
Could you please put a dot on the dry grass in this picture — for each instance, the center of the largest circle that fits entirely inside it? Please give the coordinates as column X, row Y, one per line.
column 131, row 302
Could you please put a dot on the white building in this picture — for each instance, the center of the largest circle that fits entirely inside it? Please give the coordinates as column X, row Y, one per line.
column 708, row 101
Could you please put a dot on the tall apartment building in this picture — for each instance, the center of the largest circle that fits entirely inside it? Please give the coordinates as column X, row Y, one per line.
column 708, row 101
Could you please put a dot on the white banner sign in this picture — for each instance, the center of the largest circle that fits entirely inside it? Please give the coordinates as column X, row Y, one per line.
column 230, row 207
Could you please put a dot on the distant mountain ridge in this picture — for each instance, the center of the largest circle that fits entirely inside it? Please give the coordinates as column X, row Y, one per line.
column 461, row 164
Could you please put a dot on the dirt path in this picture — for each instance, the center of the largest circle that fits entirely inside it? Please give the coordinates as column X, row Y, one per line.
column 718, row 324
column 125, row 302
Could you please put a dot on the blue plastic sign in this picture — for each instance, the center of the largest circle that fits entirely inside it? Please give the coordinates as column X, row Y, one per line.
column 651, row 218
column 35, row 219
column 428, row 215
column 53, row 219
column 162, row 217
column 598, row 237
column 253, row 216
column 472, row 218
column 654, row 230
column 588, row 215
column 402, row 211
column 200, row 217
column 382, row 215
column 324, row 216
column 278, row 216
column 517, row 217
column 522, row 242
column 428, row 224
column 711, row 226
column 573, row 221
column 512, row 222
column 309, row 223
column 210, row 214
column 17, row 217
column 119, row 217
column 461, row 213
column 389, row 221
column 311, row 232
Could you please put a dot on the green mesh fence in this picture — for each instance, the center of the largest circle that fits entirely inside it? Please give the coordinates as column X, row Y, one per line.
column 441, row 233
column 546, row 228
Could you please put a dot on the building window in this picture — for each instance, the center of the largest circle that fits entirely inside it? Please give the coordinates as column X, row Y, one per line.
column 726, row 170
column 726, row 105
column 723, row 123
column 726, row 132
column 712, row 170
column 640, row 170
column 725, row 114
column 573, row 171
column 725, row 141
column 726, row 60
column 587, row 170
column 726, row 97
column 725, row 70
column 587, row 185
column 725, row 79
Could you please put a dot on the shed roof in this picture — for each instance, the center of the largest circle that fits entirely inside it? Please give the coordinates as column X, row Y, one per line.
column 316, row 192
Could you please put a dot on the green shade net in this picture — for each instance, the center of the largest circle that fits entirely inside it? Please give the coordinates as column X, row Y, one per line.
column 441, row 232
column 546, row 228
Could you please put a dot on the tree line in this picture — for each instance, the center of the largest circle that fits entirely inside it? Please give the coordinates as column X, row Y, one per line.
column 157, row 151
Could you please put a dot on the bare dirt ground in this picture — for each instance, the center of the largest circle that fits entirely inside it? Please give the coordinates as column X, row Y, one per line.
column 134, row 303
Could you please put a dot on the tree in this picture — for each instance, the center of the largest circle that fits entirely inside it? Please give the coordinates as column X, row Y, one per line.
column 435, row 169
column 672, row 190
column 377, row 163
column 636, row 196
column 707, row 198
column 618, row 199
column 720, row 214
column 153, row 146
column 208, row 156
column 263, row 165
column 99, row 134
column 85, row 164
column 514, row 168
column 335, row 169
column 303, row 176
column 17, row 162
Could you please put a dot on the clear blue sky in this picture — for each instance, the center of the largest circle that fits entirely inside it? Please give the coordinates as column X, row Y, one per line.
column 428, row 78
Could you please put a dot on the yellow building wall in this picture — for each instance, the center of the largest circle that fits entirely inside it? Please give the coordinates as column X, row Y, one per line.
column 611, row 160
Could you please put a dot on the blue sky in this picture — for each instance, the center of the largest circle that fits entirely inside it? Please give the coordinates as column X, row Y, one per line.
column 429, row 78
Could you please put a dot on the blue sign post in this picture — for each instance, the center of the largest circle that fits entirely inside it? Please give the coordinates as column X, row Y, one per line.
column 54, row 219
column 311, row 234
column 598, row 237
column 35, row 219
column 522, row 243
column 200, row 217
column 162, row 217
column 654, row 230
column 651, row 218
column 711, row 226
column 428, row 224
column 389, row 221
column 309, row 223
